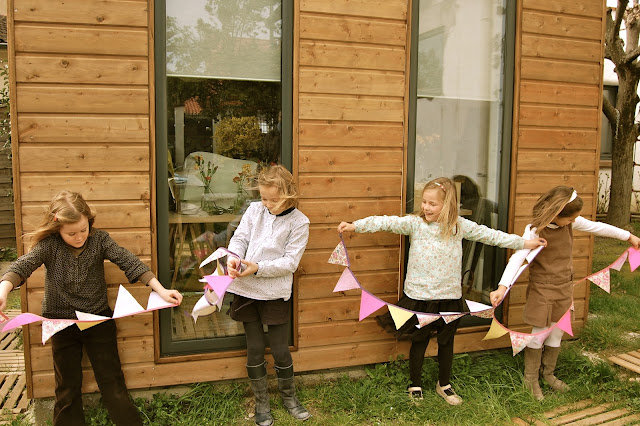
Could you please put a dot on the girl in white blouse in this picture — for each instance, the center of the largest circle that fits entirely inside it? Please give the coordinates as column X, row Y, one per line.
column 269, row 241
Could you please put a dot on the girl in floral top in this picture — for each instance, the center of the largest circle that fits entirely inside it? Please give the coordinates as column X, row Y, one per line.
column 433, row 281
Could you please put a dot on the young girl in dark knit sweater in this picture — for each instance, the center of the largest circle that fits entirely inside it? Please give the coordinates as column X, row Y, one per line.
column 73, row 253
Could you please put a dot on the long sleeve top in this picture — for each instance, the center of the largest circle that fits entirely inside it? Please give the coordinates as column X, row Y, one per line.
column 518, row 258
column 276, row 243
column 74, row 279
column 434, row 270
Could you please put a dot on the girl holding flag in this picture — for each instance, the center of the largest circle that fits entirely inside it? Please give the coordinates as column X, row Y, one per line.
column 556, row 215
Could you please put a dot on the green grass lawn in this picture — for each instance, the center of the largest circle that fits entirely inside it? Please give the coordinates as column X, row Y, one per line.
column 490, row 382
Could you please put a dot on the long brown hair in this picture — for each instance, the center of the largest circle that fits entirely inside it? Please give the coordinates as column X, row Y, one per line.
column 67, row 207
column 448, row 218
column 282, row 179
column 553, row 203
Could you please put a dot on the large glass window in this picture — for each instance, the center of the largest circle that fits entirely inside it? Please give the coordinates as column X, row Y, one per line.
column 220, row 113
column 459, row 83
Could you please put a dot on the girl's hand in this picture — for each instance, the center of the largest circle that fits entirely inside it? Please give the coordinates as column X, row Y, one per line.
column 5, row 288
column 250, row 268
column 233, row 266
column 497, row 295
column 634, row 241
column 346, row 227
column 534, row 243
column 171, row 296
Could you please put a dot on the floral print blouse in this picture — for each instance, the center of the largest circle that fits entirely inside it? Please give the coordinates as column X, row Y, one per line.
column 434, row 270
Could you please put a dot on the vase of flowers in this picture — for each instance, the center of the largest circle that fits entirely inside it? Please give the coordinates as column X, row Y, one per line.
column 205, row 173
column 242, row 182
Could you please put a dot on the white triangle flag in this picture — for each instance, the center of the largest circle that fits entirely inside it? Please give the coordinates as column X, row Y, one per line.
column 202, row 308
column 157, row 302
column 89, row 320
column 126, row 304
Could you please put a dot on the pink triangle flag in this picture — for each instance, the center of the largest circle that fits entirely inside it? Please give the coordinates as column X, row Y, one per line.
column 346, row 282
column 218, row 283
column 617, row 265
column 519, row 341
column 634, row 258
column 565, row 323
column 602, row 279
column 52, row 326
column 339, row 255
column 20, row 320
column 424, row 319
column 369, row 304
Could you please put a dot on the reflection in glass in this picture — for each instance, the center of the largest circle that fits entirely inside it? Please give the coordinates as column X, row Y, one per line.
column 459, row 116
column 224, row 125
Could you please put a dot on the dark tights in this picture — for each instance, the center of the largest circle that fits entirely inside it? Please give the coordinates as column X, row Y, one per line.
column 416, row 359
column 278, row 342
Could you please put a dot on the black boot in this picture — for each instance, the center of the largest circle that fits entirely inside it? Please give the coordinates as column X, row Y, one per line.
column 258, row 378
column 288, row 392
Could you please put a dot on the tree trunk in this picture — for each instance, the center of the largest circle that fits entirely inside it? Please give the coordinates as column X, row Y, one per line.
column 625, row 135
column 619, row 212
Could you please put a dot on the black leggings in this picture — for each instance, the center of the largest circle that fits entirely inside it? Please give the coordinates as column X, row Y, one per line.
column 278, row 342
column 416, row 359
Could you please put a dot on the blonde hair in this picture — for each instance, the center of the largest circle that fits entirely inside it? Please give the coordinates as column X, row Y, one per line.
column 282, row 179
column 553, row 203
column 67, row 207
column 448, row 217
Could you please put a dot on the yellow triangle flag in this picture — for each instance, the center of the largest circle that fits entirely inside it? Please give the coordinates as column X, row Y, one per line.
column 400, row 316
column 84, row 325
column 495, row 331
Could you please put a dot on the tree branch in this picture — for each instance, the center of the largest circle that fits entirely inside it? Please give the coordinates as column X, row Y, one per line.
column 610, row 112
column 622, row 7
column 633, row 55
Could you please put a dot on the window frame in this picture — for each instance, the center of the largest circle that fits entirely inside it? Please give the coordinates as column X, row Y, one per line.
column 506, row 135
column 168, row 347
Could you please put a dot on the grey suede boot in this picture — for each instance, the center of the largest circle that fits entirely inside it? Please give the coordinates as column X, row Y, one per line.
column 549, row 359
column 258, row 378
column 532, row 371
column 287, row 389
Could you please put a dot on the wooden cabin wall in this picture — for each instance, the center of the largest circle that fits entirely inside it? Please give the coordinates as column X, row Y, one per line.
column 556, row 134
column 82, row 88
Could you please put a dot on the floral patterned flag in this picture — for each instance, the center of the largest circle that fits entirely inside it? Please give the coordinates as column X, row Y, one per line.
column 339, row 255
column 451, row 317
column 602, row 279
column 399, row 315
column 480, row 310
column 424, row 319
column 51, row 327
column 542, row 336
column 346, row 282
column 519, row 341
column 617, row 265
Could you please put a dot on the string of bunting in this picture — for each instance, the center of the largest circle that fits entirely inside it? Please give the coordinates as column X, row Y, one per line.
column 370, row 303
column 126, row 305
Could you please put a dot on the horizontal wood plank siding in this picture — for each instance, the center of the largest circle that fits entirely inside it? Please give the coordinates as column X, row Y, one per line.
column 556, row 135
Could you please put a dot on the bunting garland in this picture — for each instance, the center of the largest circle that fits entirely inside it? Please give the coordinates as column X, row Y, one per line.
column 370, row 303
column 126, row 305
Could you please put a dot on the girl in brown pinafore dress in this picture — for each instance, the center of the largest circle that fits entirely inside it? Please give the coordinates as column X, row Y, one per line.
column 556, row 215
